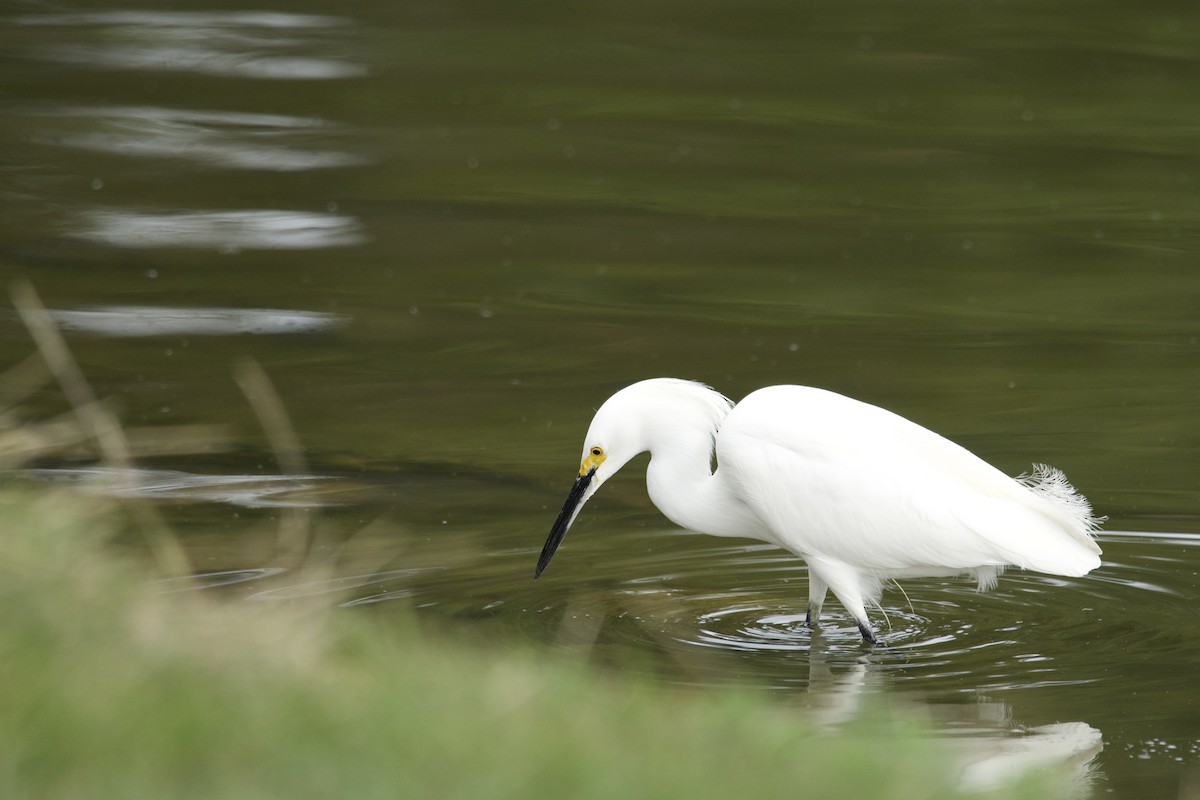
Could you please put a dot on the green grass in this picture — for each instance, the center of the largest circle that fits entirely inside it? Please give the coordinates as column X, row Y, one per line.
column 110, row 688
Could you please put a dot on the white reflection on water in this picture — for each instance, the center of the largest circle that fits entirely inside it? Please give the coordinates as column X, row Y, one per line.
column 992, row 752
column 218, row 138
column 159, row 321
column 991, row 763
column 247, row 491
column 241, row 44
column 227, row 231
column 174, row 19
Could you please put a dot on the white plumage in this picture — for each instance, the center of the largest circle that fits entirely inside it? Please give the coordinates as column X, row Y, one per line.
column 861, row 494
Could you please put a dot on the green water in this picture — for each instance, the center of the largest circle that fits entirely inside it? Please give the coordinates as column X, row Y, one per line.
column 484, row 221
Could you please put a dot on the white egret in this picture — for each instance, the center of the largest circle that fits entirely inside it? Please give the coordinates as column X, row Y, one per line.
column 861, row 494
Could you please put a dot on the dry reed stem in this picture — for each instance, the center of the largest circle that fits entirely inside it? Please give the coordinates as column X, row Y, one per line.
column 99, row 423
column 295, row 524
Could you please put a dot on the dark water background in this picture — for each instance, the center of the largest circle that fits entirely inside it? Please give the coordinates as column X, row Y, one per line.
column 449, row 230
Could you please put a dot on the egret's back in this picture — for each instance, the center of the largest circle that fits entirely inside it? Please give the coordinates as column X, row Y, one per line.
column 837, row 479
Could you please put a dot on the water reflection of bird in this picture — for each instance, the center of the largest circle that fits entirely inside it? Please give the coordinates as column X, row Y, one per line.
column 861, row 494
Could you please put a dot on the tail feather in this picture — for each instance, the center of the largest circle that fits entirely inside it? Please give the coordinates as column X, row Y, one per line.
column 1050, row 529
column 1051, row 485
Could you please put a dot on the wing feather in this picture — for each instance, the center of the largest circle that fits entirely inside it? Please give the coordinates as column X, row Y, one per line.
column 836, row 477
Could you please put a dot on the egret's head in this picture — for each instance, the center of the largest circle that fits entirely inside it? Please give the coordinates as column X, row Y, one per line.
column 613, row 438
column 627, row 424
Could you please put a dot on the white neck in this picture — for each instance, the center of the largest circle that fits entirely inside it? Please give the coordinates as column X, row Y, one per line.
column 681, row 484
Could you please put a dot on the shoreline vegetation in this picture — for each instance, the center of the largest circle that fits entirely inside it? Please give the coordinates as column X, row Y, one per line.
column 113, row 687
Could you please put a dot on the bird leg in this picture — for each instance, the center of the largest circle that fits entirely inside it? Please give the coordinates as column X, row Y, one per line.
column 849, row 586
column 867, row 634
column 816, row 598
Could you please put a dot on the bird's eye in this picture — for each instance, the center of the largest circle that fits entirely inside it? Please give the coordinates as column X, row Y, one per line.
column 597, row 451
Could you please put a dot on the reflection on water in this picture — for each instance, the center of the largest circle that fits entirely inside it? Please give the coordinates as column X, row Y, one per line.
column 216, row 580
column 234, row 45
column 231, row 44
column 162, row 321
column 990, row 748
column 192, row 19
column 228, row 139
column 991, row 763
column 247, row 491
column 226, row 231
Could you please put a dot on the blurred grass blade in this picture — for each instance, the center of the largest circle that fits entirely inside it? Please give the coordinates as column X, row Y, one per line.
column 295, row 524
column 96, row 420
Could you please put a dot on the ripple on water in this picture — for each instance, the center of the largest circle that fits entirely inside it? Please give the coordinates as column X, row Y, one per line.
column 754, row 627
column 248, row 491
column 385, row 583
column 214, row 580
column 1031, row 631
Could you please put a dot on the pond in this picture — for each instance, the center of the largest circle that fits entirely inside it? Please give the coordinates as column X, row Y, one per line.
column 447, row 232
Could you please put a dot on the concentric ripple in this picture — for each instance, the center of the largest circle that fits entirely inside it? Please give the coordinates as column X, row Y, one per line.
column 752, row 628
column 1031, row 630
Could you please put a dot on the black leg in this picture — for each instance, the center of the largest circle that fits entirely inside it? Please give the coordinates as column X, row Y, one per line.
column 867, row 634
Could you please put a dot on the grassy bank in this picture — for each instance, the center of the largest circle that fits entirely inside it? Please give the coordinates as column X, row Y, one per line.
column 112, row 688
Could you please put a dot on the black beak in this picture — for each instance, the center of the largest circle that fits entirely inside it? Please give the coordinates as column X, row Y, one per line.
column 564, row 520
